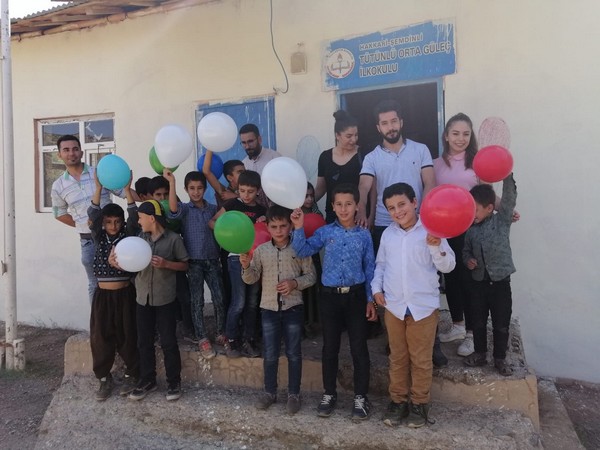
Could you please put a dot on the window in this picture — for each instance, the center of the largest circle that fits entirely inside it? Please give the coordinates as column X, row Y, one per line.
column 96, row 134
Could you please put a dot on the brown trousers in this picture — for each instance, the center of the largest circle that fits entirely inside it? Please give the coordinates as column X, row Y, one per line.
column 113, row 329
column 411, row 348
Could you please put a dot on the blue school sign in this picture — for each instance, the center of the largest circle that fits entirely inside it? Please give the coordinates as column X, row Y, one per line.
column 425, row 50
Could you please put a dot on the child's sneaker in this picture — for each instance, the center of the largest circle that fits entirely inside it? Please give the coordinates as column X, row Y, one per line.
column 327, row 405
column 502, row 367
column 250, row 349
column 231, row 349
column 265, row 400
column 467, row 346
column 395, row 413
column 142, row 389
column 293, row 404
column 128, row 386
column 362, row 408
column 105, row 389
column 221, row 340
column 206, row 350
column 475, row 360
column 174, row 392
column 455, row 333
column 419, row 415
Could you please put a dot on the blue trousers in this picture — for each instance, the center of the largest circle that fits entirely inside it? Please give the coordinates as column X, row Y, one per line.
column 209, row 270
column 286, row 324
column 244, row 299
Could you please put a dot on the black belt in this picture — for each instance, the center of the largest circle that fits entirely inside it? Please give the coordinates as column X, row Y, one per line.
column 342, row 289
column 85, row 235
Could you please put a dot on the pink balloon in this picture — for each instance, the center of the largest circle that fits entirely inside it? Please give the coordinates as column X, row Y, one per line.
column 493, row 163
column 447, row 211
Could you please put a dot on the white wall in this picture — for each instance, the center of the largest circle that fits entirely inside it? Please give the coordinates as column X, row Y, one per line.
column 532, row 63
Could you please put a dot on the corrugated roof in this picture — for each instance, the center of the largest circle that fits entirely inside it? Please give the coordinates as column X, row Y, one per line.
column 88, row 13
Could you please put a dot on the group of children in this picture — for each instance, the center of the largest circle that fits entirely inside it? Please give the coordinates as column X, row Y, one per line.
column 402, row 278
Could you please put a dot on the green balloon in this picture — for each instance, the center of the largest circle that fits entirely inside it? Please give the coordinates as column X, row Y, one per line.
column 172, row 224
column 155, row 163
column 234, row 231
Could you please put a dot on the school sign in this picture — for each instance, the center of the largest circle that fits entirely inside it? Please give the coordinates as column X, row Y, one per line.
column 426, row 50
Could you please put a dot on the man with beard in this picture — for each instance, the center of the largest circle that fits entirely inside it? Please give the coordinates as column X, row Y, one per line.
column 258, row 156
column 396, row 160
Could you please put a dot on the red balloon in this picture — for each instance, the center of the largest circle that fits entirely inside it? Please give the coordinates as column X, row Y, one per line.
column 312, row 221
column 493, row 163
column 261, row 235
column 447, row 211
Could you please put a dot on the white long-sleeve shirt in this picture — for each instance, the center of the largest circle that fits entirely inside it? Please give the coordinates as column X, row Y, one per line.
column 406, row 271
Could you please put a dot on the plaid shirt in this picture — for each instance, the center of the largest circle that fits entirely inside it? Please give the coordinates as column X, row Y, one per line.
column 198, row 238
column 73, row 197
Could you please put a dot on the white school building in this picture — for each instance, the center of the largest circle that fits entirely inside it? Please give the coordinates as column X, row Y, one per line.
column 115, row 72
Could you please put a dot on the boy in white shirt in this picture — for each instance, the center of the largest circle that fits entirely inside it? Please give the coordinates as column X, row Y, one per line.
column 406, row 284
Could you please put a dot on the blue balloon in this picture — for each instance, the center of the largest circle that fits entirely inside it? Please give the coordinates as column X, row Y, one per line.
column 113, row 172
column 216, row 165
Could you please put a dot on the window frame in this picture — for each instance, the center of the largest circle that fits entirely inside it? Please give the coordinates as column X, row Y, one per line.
column 89, row 149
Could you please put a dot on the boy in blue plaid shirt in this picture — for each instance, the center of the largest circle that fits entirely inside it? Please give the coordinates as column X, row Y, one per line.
column 204, row 262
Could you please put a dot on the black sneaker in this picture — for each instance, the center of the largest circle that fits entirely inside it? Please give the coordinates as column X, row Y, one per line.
column 419, row 415
column 439, row 359
column 362, row 407
column 249, row 349
column 265, row 400
column 105, row 389
column 231, row 350
column 174, row 392
column 327, row 405
column 128, row 386
column 293, row 404
column 395, row 413
column 142, row 389
column 475, row 360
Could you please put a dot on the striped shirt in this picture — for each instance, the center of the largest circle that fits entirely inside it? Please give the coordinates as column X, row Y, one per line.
column 73, row 197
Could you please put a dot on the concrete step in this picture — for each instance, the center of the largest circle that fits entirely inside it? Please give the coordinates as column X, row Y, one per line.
column 454, row 383
column 211, row 417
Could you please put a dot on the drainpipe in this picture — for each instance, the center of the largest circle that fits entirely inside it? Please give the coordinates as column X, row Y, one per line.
column 14, row 353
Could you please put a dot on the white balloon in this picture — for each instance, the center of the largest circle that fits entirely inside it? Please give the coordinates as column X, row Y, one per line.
column 133, row 254
column 284, row 181
column 173, row 145
column 217, row 132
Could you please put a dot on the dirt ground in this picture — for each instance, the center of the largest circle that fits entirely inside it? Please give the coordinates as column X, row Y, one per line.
column 25, row 396
column 582, row 401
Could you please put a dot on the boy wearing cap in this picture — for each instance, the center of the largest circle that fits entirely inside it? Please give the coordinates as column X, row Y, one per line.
column 156, row 307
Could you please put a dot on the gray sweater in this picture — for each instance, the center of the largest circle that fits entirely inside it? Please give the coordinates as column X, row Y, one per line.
column 489, row 241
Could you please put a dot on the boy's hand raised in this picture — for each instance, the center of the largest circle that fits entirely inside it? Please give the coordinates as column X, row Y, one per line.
column 245, row 259
column 432, row 240
column 297, row 218
column 168, row 174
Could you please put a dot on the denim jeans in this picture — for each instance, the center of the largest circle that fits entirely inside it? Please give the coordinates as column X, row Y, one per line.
column 88, row 251
column 336, row 311
column 209, row 270
column 149, row 319
column 244, row 298
column 286, row 324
